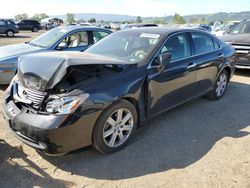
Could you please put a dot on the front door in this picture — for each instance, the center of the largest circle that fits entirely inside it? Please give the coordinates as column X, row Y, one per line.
column 176, row 83
column 78, row 41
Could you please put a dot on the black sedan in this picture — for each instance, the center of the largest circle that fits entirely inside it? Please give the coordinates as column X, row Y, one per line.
column 62, row 101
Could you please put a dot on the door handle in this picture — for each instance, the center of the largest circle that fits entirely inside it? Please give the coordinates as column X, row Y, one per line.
column 191, row 65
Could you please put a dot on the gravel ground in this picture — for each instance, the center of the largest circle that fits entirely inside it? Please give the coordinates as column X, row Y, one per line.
column 200, row 144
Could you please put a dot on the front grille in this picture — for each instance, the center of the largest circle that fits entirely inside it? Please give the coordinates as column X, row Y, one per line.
column 28, row 96
column 242, row 48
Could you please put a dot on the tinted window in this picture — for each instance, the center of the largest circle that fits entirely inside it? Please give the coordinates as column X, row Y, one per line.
column 178, row 46
column 202, row 43
column 128, row 46
column 98, row 35
column 2, row 22
column 11, row 23
column 243, row 27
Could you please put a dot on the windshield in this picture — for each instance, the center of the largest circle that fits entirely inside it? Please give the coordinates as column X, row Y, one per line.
column 128, row 46
column 49, row 38
column 243, row 27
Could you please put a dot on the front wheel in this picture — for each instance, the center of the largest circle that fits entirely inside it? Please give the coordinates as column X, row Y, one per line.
column 35, row 29
column 220, row 86
column 10, row 33
column 114, row 127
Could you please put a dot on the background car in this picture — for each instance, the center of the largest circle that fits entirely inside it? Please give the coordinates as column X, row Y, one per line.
column 239, row 37
column 225, row 29
column 68, row 38
column 31, row 25
column 99, row 97
column 206, row 27
column 8, row 27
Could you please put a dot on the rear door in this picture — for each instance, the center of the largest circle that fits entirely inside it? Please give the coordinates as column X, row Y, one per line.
column 209, row 55
column 176, row 83
column 3, row 26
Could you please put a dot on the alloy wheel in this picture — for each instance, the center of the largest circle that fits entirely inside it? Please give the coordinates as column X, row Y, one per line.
column 118, row 127
column 10, row 34
column 221, row 85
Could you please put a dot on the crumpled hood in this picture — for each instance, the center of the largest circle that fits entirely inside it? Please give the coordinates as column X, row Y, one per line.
column 49, row 68
column 16, row 50
column 236, row 38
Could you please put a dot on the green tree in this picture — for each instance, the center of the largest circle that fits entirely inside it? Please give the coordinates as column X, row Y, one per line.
column 21, row 16
column 159, row 21
column 70, row 18
column 178, row 19
column 92, row 20
column 138, row 19
column 39, row 17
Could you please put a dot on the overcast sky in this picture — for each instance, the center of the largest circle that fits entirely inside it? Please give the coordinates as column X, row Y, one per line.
column 129, row 7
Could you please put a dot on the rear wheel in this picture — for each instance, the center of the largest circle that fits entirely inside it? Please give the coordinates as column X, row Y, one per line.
column 10, row 33
column 115, row 127
column 35, row 29
column 220, row 86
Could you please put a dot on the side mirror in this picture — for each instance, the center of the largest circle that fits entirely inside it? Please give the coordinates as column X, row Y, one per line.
column 160, row 60
column 166, row 57
column 62, row 46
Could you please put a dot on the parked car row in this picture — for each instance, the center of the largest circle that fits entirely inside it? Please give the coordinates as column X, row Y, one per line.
column 60, row 101
column 10, row 28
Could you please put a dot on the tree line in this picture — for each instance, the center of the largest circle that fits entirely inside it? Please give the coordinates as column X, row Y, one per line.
column 70, row 18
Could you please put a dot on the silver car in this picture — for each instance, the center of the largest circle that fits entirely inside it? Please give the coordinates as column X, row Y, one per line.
column 68, row 38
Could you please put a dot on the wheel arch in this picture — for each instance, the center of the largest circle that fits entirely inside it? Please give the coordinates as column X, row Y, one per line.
column 228, row 70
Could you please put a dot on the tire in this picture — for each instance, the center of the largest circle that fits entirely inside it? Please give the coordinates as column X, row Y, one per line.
column 35, row 29
column 109, row 137
column 220, row 86
column 10, row 33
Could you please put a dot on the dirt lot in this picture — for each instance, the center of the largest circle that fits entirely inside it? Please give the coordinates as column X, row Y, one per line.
column 200, row 144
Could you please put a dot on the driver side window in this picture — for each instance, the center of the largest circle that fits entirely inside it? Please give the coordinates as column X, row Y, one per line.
column 74, row 40
column 178, row 46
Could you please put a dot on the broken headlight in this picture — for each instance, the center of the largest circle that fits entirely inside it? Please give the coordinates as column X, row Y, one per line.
column 65, row 105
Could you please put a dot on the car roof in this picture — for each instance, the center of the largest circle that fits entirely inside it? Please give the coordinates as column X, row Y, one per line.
column 70, row 28
column 161, row 30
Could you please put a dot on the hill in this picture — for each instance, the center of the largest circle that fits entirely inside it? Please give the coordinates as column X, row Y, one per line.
column 220, row 16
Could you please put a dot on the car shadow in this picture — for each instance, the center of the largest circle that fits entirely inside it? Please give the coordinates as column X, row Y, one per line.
column 172, row 140
column 242, row 72
column 22, row 175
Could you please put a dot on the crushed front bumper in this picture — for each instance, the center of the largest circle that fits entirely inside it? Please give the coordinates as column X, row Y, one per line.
column 51, row 134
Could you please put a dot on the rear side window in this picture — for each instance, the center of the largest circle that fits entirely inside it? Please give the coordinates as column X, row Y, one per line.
column 243, row 27
column 11, row 23
column 98, row 35
column 2, row 22
column 202, row 43
column 178, row 46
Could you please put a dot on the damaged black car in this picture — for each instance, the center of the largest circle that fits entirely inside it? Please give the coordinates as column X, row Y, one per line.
column 63, row 101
